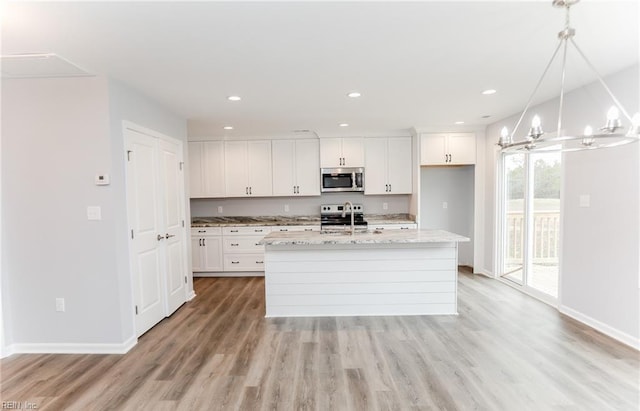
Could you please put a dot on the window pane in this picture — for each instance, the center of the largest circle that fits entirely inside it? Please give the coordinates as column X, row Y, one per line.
column 514, row 217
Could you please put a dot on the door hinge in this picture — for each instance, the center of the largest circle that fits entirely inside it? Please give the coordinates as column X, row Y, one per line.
column 182, row 223
column 185, row 279
column 181, row 165
column 129, row 155
column 132, row 234
column 136, row 310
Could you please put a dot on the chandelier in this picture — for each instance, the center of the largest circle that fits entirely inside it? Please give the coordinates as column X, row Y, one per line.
column 612, row 134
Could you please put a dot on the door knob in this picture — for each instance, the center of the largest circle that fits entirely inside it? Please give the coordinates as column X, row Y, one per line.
column 160, row 237
column 167, row 236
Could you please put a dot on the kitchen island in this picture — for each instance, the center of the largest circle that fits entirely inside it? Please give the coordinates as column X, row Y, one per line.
column 400, row 272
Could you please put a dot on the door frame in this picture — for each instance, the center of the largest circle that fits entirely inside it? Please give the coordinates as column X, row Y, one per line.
column 128, row 125
column 528, row 235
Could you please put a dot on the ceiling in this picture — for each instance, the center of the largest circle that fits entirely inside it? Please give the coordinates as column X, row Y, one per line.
column 417, row 64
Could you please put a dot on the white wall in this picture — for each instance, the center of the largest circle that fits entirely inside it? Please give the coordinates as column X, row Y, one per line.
column 57, row 135
column 600, row 261
column 274, row 206
column 455, row 186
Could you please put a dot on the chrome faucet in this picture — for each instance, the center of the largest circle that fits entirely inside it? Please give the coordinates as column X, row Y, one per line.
column 344, row 213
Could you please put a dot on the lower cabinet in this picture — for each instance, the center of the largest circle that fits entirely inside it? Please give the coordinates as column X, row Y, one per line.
column 407, row 226
column 241, row 248
column 206, row 249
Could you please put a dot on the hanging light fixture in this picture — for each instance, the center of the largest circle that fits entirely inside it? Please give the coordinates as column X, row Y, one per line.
column 610, row 135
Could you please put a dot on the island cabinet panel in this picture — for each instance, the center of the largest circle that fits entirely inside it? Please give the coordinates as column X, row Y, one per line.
column 361, row 279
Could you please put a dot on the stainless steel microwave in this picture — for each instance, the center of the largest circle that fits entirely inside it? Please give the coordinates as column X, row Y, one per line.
column 342, row 179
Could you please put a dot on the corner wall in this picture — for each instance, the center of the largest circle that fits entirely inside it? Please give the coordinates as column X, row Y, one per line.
column 600, row 263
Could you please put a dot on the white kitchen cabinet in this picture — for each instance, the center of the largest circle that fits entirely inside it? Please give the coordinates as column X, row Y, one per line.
column 291, row 228
column 206, row 249
column 388, row 166
column 296, row 167
column 398, row 226
column 206, row 169
column 242, row 251
column 447, row 149
column 342, row 152
column 247, row 168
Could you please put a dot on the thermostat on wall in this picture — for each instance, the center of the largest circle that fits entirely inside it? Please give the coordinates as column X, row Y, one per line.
column 102, row 180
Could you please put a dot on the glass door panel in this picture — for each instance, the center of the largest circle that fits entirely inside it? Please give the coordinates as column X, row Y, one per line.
column 515, row 174
column 545, row 208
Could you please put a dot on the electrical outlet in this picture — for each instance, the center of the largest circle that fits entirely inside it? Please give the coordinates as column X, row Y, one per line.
column 219, row 209
column 286, row 208
column 585, row 200
column 385, row 206
column 445, row 205
column 94, row 213
column 60, row 304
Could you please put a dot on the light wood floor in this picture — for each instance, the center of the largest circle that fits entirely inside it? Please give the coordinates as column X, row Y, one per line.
column 505, row 351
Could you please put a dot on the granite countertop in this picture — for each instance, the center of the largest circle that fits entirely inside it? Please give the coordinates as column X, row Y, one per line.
column 288, row 220
column 250, row 221
column 366, row 237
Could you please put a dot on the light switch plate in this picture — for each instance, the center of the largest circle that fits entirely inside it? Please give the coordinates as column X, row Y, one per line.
column 102, row 180
column 94, row 213
column 445, row 205
column 585, row 200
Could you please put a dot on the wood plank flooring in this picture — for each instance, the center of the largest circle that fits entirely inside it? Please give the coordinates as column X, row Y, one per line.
column 505, row 351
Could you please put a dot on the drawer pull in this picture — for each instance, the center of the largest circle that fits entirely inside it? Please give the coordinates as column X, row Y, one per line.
column 308, row 229
column 234, row 231
column 258, row 244
column 258, row 231
column 234, row 244
column 404, row 228
column 259, row 262
column 284, row 229
column 202, row 231
column 235, row 262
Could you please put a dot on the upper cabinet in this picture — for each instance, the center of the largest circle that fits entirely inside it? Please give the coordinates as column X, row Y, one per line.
column 296, row 167
column 206, row 169
column 388, row 166
column 342, row 152
column 247, row 168
column 447, row 149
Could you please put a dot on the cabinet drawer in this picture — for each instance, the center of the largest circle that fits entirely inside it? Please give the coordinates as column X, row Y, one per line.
column 296, row 228
column 238, row 244
column 393, row 226
column 200, row 231
column 244, row 262
column 246, row 230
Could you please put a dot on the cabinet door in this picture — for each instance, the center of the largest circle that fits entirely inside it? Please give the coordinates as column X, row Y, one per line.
column 399, row 163
column 212, row 253
column 259, row 168
column 433, row 149
column 196, row 187
column 196, row 254
column 331, row 152
column 375, row 179
column 307, row 168
column 213, row 168
column 284, row 155
column 353, row 151
column 235, row 169
column 462, row 148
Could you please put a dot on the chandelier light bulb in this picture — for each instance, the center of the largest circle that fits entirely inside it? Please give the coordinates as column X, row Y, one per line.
column 535, row 122
column 613, row 113
column 634, row 131
column 613, row 120
column 535, row 131
column 504, row 137
column 587, row 139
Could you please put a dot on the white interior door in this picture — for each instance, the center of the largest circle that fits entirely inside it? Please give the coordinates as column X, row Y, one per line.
column 170, row 155
column 155, row 190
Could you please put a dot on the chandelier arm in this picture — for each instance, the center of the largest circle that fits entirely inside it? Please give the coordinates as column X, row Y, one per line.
column 604, row 85
column 564, row 66
column 526, row 107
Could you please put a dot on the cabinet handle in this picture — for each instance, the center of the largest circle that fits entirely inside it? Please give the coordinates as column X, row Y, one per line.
column 284, row 229
column 234, row 244
column 257, row 244
column 259, row 262
column 250, row 190
column 234, row 231
column 379, row 228
column 404, row 228
column 308, row 229
column 389, row 187
column 235, row 262
column 202, row 231
column 258, row 231
column 200, row 242
column 204, row 242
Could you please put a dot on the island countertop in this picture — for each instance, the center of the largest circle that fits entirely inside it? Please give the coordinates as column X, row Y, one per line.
column 368, row 237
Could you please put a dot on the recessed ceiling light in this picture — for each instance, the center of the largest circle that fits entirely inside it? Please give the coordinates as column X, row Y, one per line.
column 489, row 91
column 228, row 127
column 459, row 122
column 234, row 98
column 354, row 94
column 344, row 124
column 486, row 116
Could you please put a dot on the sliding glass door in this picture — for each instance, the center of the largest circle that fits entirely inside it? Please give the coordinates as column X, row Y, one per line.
column 531, row 221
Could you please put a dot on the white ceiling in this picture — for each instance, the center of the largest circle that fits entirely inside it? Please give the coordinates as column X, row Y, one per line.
column 417, row 64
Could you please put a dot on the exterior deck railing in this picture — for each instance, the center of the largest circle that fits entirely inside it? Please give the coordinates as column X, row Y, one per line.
column 546, row 238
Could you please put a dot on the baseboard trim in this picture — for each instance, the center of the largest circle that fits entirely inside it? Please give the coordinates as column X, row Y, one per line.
column 6, row 351
column 191, row 295
column 73, row 348
column 230, row 274
column 484, row 272
column 602, row 327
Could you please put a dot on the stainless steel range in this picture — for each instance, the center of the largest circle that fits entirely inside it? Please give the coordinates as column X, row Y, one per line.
column 338, row 217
